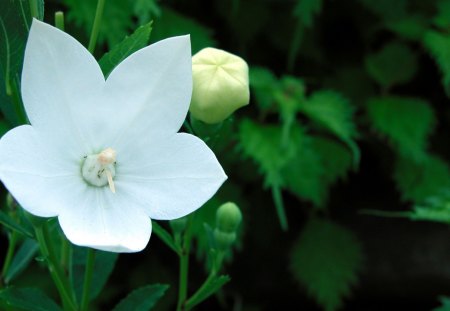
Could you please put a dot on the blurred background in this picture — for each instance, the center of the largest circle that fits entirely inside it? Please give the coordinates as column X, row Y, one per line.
column 347, row 131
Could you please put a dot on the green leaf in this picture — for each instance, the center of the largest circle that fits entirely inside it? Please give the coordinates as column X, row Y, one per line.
column 31, row 299
column 418, row 181
column 142, row 299
column 325, row 260
column 410, row 27
column 264, row 84
column 165, row 236
column 116, row 20
column 15, row 22
column 22, row 259
column 438, row 45
column 171, row 23
column 145, row 10
column 445, row 301
column 387, row 9
column 305, row 10
column 10, row 223
column 435, row 208
column 442, row 18
column 263, row 145
column 209, row 290
column 394, row 64
column 103, row 267
column 333, row 112
column 128, row 46
column 405, row 122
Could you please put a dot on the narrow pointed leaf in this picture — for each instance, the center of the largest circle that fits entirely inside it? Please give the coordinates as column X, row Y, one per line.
column 142, row 299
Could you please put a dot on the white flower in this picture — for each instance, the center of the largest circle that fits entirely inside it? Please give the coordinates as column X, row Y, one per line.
column 105, row 156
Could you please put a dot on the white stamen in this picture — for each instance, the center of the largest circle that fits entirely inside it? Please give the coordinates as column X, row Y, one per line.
column 99, row 169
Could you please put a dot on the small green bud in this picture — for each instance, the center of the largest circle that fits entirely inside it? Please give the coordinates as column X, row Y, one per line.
column 224, row 239
column 228, row 217
column 178, row 225
column 221, row 85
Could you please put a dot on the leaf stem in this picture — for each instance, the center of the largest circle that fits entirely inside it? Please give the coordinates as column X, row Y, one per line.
column 278, row 200
column 96, row 26
column 34, row 9
column 184, row 266
column 211, row 277
column 60, row 280
column 90, row 261
column 59, row 20
column 9, row 254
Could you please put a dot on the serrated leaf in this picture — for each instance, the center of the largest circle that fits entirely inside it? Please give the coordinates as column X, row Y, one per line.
column 31, row 299
column 445, row 301
column 394, row 64
column 142, row 299
column 438, row 45
column 209, row 290
column 128, row 46
column 103, row 267
column 418, row 181
column 116, row 20
column 22, row 259
column 263, row 145
column 405, row 122
column 332, row 111
column 171, row 23
column 10, row 223
column 305, row 10
column 326, row 260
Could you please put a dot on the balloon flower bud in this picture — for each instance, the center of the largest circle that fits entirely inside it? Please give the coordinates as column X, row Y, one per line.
column 228, row 217
column 220, row 85
column 224, row 239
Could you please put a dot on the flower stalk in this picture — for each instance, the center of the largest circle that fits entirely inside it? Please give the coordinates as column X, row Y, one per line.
column 57, row 273
column 89, row 272
column 96, row 26
column 184, row 266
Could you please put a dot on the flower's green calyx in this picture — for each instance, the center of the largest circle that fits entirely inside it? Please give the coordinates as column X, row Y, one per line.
column 228, row 217
column 99, row 169
column 221, row 85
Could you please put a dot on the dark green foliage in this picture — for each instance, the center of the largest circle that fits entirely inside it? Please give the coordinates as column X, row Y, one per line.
column 394, row 64
column 128, row 46
column 142, row 299
column 30, row 299
column 445, row 301
column 405, row 122
column 417, row 181
column 325, row 260
column 25, row 254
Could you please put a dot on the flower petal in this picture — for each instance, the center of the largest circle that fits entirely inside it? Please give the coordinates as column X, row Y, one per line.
column 61, row 85
column 172, row 179
column 150, row 91
column 33, row 172
column 106, row 221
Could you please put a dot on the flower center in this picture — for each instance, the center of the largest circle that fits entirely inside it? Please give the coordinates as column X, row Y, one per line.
column 99, row 169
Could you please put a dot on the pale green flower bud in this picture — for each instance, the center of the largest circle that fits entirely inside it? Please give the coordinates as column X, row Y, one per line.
column 224, row 239
column 220, row 85
column 228, row 217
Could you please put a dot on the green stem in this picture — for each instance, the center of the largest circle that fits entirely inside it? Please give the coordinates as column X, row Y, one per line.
column 58, row 276
column 9, row 252
column 96, row 26
column 34, row 9
column 211, row 277
column 184, row 267
column 278, row 200
column 59, row 20
column 65, row 254
column 90, row 260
